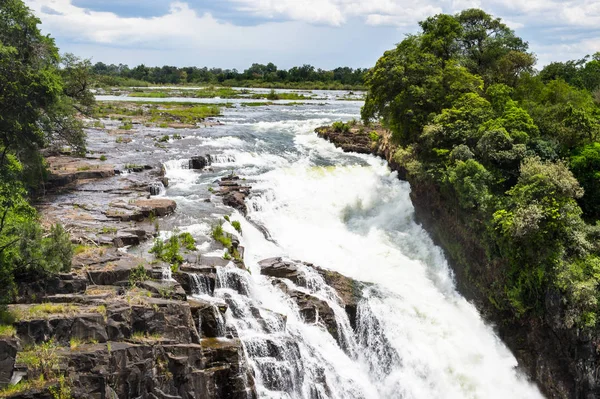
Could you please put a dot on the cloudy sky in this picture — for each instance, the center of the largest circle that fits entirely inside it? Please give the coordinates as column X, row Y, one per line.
column 324, row 33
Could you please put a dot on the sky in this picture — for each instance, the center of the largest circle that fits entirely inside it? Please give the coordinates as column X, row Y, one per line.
column 323, row 33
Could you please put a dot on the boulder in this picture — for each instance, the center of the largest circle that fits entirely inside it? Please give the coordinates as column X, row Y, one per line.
column 198, row 162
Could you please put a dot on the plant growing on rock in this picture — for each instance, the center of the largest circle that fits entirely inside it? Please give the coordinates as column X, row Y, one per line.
column 138, row 275
column 340, row 127
column 237, row 226
column 41, row 360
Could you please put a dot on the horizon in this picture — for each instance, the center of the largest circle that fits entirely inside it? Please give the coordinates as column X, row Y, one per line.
column 234, row 34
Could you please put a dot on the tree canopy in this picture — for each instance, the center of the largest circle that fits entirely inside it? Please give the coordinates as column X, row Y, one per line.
column 38, row 105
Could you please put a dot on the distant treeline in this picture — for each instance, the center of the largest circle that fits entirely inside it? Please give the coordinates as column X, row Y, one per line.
column 257, row 75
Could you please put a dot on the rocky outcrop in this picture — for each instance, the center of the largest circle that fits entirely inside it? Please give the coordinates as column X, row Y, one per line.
column 564, row 362
column 313, row 308
column 65, row 170
column 234, row 194
column 354, row 140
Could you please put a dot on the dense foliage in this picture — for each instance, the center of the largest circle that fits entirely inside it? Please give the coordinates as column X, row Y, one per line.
column 38, row 101
column 305, row 76
column 515, row 151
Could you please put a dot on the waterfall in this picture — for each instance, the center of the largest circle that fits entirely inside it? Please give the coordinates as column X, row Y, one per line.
column 200, row 284
column 412, row 336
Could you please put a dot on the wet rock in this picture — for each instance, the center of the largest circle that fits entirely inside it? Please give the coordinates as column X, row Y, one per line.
column 348, row 290
column 195, row 283
column 210, row 317
column 234, row 194
column 312, row 309
column 8, row 354
column 61, row 284
column 168, row 319
column 154, row 189
column 198, row 162
column 353, row 140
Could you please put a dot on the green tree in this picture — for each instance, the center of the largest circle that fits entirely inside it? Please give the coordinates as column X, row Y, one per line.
column 586, row 168
column 38, row 102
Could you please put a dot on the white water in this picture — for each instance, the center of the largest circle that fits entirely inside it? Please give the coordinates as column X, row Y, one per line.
column 416, row 336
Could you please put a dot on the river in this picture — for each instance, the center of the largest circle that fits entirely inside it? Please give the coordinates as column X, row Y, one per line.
column 417, row 337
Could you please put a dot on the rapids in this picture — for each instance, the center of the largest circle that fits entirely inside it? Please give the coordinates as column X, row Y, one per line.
column 416, row 336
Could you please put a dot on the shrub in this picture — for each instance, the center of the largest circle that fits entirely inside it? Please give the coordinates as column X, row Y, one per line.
column 340, row 127
column 138, row 275
column 374, row 136
column 237, row 226
column 103, row 158
column 187, row 241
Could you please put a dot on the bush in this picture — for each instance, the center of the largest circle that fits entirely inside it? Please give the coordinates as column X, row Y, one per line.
column 340, row 127
column 237, row 226
column 138, row 275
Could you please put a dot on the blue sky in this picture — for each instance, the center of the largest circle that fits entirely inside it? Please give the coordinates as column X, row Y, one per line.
column 324, row 33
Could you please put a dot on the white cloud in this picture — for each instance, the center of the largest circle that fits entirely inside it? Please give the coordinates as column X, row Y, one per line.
column 311, row 27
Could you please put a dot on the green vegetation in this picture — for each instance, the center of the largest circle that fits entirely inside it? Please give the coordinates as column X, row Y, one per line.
column 374, row 136
column 103, row 158
column 161, row 114
column 341, row 127
column 127, row 125
column 219, row 235
column 138, row 275
column 41, row 360
column 257, row 75
column 169, row 250
column 513, row 154
column 41, row 93
column 237, row 226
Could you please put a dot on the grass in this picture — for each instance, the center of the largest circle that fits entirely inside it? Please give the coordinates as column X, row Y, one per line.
column 82, row 248
column 219, row 235
column 145, row 337
column 7, row 331
column 45, row 310
column 126, row 126
column 75, row 343
column 103, row 158
column 23, row 386
column 108, row 230
column 131, row 166
column 149, row 94
column 184, row 114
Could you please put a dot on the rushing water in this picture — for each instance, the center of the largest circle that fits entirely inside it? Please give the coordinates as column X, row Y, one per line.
column 416, row 337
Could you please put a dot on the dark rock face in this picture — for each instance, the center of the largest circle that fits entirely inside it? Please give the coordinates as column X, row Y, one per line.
column 199, row 162
column 210, row 318
column 8, row 353
column 170, row 360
